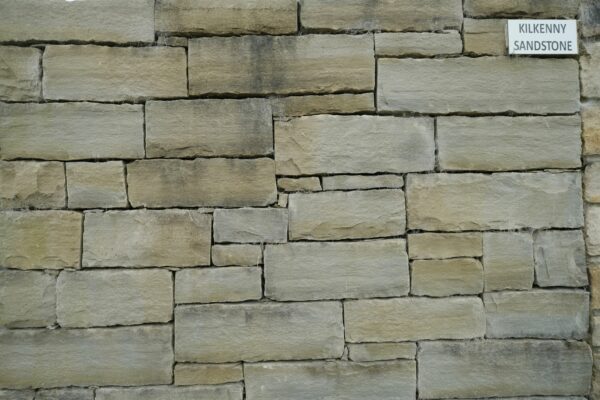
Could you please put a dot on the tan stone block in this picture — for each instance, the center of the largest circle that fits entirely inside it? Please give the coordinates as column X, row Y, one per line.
column 222, row 392
column 439, row 278
column 65, row 394
column 485, row 36
column 251, row 225
column 532, row 8
column 508, row 260
column 207, row 374
column 96, row 185
column 236, row 254
column 592, row 230
column 345, row 103
column 28, row 299
column 399, row 44
column 218, row 285
column 590, row 118
column 32, row 184
column 308, row 184
column 352, row 182
column 381, row 351
column 590, row 70
column 20, row 72
column 560, row 258
column 17, row 394
column 445, row 245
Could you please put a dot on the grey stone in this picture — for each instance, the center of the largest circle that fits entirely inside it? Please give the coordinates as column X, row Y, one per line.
column 236, row 254
column 65, row 394
column 17, row 394
column 439, row 278
column 32, row 184
column 445, row 245
column 20, row 71
column 592, row 230
column 590, row 71
column 590, row 122
column 27, row 299
column 352, row 182
column 344, row 103
column 218, row 285
column 485, row 36
column 251, row 225
column 400, row 44
column 591, row 183
column 533, row 8
column 381, row 351
column 207, row 374
column 96, row 185
column 223, row 392
column 560, row 258
column 589, row 17
column 508, row 260
column 308, row 184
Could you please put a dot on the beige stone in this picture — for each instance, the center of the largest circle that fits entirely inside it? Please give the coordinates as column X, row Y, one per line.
column 508, row 260
column 589, row 17
column 439, row 278
column 590, row 118
column 224, row 392
column 592, row 230
column 96, row 185
column 381, row 351
column 345, row 103
column 189, row 128
column 164, row 39
column 20, row 71
column 126, row 356
column 25, row 184
column 337, row 144
column 281, row 64
column 65, row 394
column 595, row 320
column 218, row 285
column 454, row 202
column 40, row 239
column 533, row 8
column 313, row 271
column 591, row 183
column 465, row 84
column 236, row 254
column 560, row 258
column 102, row 73
column 346, row 215
column 445, row 245
column 250, row 225
column 485, row 36
column 594, row 272
column 207, row 374
column 308, row 184
column 590, row 70
column 146, row 238
column 215, row 182
column 28, row 299
column 393, row 320
column 352, row 182
column 401, row 44
column 17, row 394
column 217, row 333
column 282, row 200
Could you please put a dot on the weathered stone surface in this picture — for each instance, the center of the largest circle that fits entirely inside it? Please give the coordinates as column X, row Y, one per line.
column 113, row 73
column 503, row 368
column 394, row 320
column 381, row 351
column 590, row 118
column 590, row 70
column 455, row 202
column 589, row 17
column 508, row 260
column 595, row 331
column 27, row 299
column 25, row 184
column 337, row 144
column 594, row 272
column 164, row 39
column 533, row 8
column 208, row 374
column 485, row 36
column 528, row 85
column 251, row 225
column 547, row 314
column 65, row 394
column 146, row 238
column 17, row 394
column 226, row 17
column 215, row 182
column 281, row 64
column 236, row 254
column 395, row 15
column 118, row 297
column 591, row 183
column 71, row 131
column 346, row 215
column 308, row 184
column 19, row 71
column 312, row 271
column 392, row 44
column 345, row 103
column 592, row 230
column 438, row 278
column 188, row 128
column 218, row 333
column 352, row 182
column 96, row 185
column 224, row 392
column 140, row 355
column 40, row 239
column 445, row 245
column 509, row 143
column 218, row 285
column 560, row 258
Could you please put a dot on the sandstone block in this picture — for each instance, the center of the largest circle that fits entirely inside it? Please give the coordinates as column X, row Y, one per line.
column 508, row 260
column 312, row 271
column 17, row 394
column 590, row 70
column 485, row 36
column 591, row 183
column 393, row 44
column 592, row 230
column 251, row 225
column 590, row 118
column 224, row 392
column 19, row 71
column 217, row 333
column 560, row 258
column 382, row 351
column 96, row 185
column 236, row 254
column 595, row 320
column 533, row 8
column 345, row 103
column 28, row 299
column 352, row 182
column 65, row 394
column 218, row 285
column 594, row 272
column 309, row 184
column 445, row 245
column 207, row 374
column 438, row 278
column 31, row 184
column 589, row 17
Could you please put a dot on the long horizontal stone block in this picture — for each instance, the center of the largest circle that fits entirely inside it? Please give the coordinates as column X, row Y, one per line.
column 533, row 8
column 20, row 72
column 218, row 285
column 221, row 392
column 343, row 103
column 439, row 278
column 251, row 225
column 207, row 374
column 397, row 44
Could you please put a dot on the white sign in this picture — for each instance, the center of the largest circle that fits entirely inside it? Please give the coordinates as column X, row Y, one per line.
column 542, row 36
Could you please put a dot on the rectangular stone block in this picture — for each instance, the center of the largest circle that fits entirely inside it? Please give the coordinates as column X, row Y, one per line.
column 127, row 356
column 215, row 182
column 449, row 85
column 508, row 260
column 217, row 333
column 71, row 131
column 454, row 202
column 20, row 71
column 590, row 122
column 532, row 8
column 313, row 271
column 65, row 394
column 281, row 64
column 381, row 351
column 308, row 184
column 396, row 44
column 346, row 215
column 96, row 185
column 591, row 182
column 32, row 184
column 102, row 73
column 509, row 143
column 236, row 254
column 423, row 246
column 146, row 238
column 590, row 70
column 589, row 13
column 226, row 17
column 251, row 225
column 395, row 320
column 439, row 278
column 218, row 285
column 223, row 392
column 560, row 259
column 207, row 374
column 353, row 182
column 496, row 368
column 485, row 36
column 40, row 239
column 594, row 272
column 190, row 128
column 331, row 380
column 345, row 103
column 17, row 394
column 28, row 299
column 334, row 144
column 592, row 230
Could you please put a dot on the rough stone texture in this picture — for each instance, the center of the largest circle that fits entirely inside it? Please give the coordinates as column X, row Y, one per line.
column 528, row 85
column 96, row 185
column 65, row 394
column 413, row 319
column 216, row 182
column 226, row 17
column 595, row 331
column 251, row 225
column 381, row 351
column 224, row 392
column 591, row 183
column 256, row 332
column 590, row 118
column 102, row 73
column 589, row 16
column 503, row 368
column 309, row 184
column 592, row 230
column 352, row 182
column 71, row 131
column 212, row 285
column 560, row 259
column 31, row 184
column 189, row 128
column 236, row 254
column 392, row 44
column 19, row 71
column 312, row 271
column 594, row 272
column 17, row 394
column 334, row 144
column 281, row 64
column 40, row 239
column 508, row 260
column 140, row 355
column 532, row 8
column 395, row 15
column 118, row 297
column 207, row 374
column 331, row 380
column 27, row 299
column 590, row 70
column 509, row 143
column 344, row 103
column 485, row 36
column 346, row 215
column 500, row 201
column 438, row 278
column 146, row 238
column 445, row 245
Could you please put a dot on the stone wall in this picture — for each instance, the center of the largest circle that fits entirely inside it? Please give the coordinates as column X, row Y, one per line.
column 266, row 200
